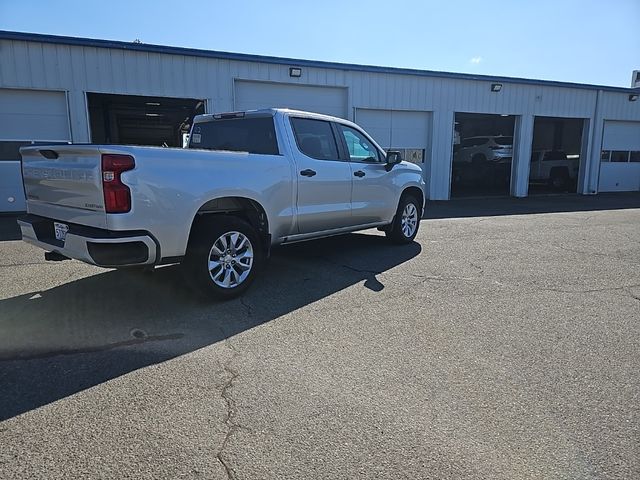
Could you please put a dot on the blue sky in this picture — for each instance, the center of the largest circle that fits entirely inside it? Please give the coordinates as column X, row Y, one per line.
column 587, row 41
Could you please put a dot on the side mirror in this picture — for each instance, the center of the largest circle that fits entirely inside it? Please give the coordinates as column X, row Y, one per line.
column 394, row 157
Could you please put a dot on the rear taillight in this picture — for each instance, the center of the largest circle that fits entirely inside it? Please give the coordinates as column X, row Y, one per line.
column 117, row 196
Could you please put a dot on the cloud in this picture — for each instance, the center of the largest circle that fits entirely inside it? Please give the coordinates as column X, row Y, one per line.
column 476, row 60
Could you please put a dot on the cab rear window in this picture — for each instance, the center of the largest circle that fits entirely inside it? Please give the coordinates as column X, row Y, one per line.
column 252, row 135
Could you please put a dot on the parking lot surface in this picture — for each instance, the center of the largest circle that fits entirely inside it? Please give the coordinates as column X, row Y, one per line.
column 495, row 346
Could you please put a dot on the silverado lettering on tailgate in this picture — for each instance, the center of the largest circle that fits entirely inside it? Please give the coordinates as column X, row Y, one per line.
column 58, row 174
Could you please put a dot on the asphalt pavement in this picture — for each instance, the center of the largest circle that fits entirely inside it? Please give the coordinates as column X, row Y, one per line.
column 504, row 343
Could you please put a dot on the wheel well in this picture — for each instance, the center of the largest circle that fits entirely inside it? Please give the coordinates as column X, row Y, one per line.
column 416, row 192
column 245, row 208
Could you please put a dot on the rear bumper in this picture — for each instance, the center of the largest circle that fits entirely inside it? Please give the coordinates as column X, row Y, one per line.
column 104, row 248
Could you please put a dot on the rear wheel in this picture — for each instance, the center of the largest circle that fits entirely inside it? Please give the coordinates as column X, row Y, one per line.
column 404, row 227
column 559, row 179
column 478, row 158
column 223, row 257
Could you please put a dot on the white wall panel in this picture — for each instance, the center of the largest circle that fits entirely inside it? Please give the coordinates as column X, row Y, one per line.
column 328, row 100
column 377, row 123
column 619, row 177
column 27, row 115
column 621, row 135
column 33, row 115
column 396, row 128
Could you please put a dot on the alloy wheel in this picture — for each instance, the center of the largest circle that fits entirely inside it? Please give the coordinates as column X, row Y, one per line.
column 409, row 220
column 230, row 259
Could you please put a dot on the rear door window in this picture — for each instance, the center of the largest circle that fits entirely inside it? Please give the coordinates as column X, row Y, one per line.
column 252, row 135
column 315, row 138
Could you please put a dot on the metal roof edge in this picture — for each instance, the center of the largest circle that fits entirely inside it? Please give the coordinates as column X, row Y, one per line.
column 194, row 52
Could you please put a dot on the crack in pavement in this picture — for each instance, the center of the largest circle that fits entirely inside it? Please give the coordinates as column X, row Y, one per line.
column 633, row 295
column 348, row 267
column 479, row 268
column 441, row 278
column 228, row 421
column 358, row 270
column 231, row 425
column 591, row 290
column 24, row 264
column 98, row 348
column 582, row 252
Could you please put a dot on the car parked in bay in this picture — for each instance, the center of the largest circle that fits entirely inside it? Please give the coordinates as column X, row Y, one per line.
column 554, row 168
column 484, row 148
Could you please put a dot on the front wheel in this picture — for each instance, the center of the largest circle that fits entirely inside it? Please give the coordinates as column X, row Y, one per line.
column 404, row 227
column 223, row 256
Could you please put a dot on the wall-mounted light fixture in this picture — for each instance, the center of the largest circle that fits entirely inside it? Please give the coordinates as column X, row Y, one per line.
column 496, row 87
column 295, row 72
column 633, row 97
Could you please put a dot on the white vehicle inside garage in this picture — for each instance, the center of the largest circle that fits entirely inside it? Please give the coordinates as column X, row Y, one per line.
column 483, row 157
column 557, row 154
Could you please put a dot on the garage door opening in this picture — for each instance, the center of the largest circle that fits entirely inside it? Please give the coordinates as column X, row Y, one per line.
column 138, row 120
column 482, row 154
column 555, row 155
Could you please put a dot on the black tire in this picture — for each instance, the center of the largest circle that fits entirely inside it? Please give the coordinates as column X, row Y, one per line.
column 478, row 158
column 208, row 231
column 559, row 179
column 395, row 232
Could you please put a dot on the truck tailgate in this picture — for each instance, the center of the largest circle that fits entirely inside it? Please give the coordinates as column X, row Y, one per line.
column 63, row 182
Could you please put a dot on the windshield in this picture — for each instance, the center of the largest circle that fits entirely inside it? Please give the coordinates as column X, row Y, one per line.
column 252, row 135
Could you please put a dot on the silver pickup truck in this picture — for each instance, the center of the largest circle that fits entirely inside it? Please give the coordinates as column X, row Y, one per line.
column 248, row 181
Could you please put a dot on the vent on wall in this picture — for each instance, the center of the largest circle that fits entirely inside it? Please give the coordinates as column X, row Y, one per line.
column 635, row 79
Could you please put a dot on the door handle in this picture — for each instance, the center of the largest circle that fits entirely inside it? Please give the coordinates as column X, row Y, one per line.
column 359, row 173
column 308, row 173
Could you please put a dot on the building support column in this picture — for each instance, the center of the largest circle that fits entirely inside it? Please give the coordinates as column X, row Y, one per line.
column 438, row 170
column 589, row 173
column 78, row 116
column 523, row 140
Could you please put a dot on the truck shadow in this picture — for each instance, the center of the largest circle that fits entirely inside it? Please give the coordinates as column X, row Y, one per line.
column 60, row 341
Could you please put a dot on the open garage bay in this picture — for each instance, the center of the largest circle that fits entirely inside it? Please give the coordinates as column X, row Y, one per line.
column 482, row 154
column 556, row 155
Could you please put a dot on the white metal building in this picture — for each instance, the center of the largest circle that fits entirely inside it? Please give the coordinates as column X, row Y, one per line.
column 81, row 90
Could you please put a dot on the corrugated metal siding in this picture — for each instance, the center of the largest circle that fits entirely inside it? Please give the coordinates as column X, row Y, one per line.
column 131, row 72
column 78, row 69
